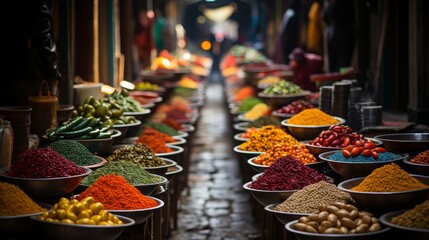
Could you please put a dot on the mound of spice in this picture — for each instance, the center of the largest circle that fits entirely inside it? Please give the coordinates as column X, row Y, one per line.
column 312, row 116
column 155, row 140
column 264, row 121
column 75, row 152
column 382, row 157
column 171, row 122
column 160, row 127
column 416, row 217
column 248, row 103
column 421, row 158
column 116, row 193
column 43, row 163
column 297, row 151
column 287, row 174
column 311, row 197
column 134, row 173
column 257, row 111
column 137, row 153
column 389, row 178
column 14, row 201
column 266, row 138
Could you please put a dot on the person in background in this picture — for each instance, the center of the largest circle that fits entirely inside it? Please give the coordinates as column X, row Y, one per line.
column 29, row 51
column 303, row 65
column 143, row 38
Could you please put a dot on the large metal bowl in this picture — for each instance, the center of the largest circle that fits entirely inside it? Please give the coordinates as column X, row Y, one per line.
column 161, row 170
column 46, row 188
column 267, row 197
column 241, row 126
column 141, row 116
column 422, row 169
column 277, row 101
column 12, row 225
column 386, row 201
column 139, row 215
column 123, row 128
column 173, row 171
column 65, row 231
column 301, row 235
column 283, row 217
column 356, row 169
column 307, row 132
column 405, row 142
column 318, row 166
column 176, row 155
column 403, row 232
column 245, row 155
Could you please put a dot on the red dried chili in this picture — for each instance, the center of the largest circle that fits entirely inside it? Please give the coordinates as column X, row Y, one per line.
column 287, row 174
column 43, row 163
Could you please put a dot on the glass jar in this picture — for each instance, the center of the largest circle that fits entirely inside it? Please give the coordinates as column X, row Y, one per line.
column 6, row 143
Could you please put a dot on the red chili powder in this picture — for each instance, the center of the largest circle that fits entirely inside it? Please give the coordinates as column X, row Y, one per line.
column 43, row 163
column 172, row 123
column 287, row 173
column 116, row 193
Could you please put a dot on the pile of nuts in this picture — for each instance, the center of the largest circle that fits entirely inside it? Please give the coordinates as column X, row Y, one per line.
column 367, row 149
column 337, row 136
column 338, row 218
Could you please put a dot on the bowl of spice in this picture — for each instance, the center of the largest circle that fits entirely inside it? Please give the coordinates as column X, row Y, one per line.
column 419, row 163
column 308, row 201
column 309, row 123
column 88, row 221
column 338, row 221
column 387, row 188
column 361, row 164
column 289, row 110
column 282, row 93
column 405, row 142
column 115, row 192
column 44, row 174
column 16, row 209
column 284, row 177
column 409, row 223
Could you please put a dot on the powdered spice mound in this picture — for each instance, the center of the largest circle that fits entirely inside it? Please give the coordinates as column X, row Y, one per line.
column 389, row 178
column 117, row 194
column 287, row 174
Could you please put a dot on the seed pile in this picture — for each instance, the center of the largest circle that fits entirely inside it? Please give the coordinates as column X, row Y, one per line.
column 416, row 217
column 421, row 158
column 75, row 152
column 138, row 153
column 311, row 197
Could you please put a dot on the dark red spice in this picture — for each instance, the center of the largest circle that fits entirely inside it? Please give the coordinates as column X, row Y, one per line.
column 287, row 173
column 43, row 163
column 172, row 123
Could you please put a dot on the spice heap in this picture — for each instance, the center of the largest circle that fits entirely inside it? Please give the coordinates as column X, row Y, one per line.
column 257, row 111
column 421, row 158
column 160, row 127
column 389, row 178
column 75, row 152
column 138, row 153
column 312, row 117
column 266, row 138
column 313, row 196
column 86, row 211
column 171, row 122
column 43, row 163
column 155, row 140
column 248, row 132
column 337, row 136
column 134, row 173
column 416, row 217
column 295, row 107
column 243, row 93
column 338, row 218
column 297, row 151
column 287, row 174
column 248, row 103
column 264, row 121
column 14, row 201
column 115, row 193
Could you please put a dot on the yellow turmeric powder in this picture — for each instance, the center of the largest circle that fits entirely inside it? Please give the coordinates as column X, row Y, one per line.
column 257, row 111
column 312, row 116
column 13, row 201
column 266, row 138
column 389, row 178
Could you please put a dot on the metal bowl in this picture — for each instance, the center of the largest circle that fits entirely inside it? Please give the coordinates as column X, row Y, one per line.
column 241, row 126
column 386, row 201
column 283, row 217
column 301, row 235
column 172, row 171
column 282, row 116
column 11, row 225
column 405, row 142
column 245, row 155
column 277, row 101
column 139, row 215
column 267, row 197
column 179, row 142
column 422, row 169
column 238, row 138
column 161, row 170
column 355, row 169
column 46, row 188
column 317, row 150
column 307, row 132
column 175, row 155
column 97, row 165
column 241, row 117
column 318, row 166
column 124, row 127
column 66, row 231
column 141, row 116
column 404, row 232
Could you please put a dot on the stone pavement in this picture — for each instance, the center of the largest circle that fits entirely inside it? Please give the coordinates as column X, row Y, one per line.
column 214, row 206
